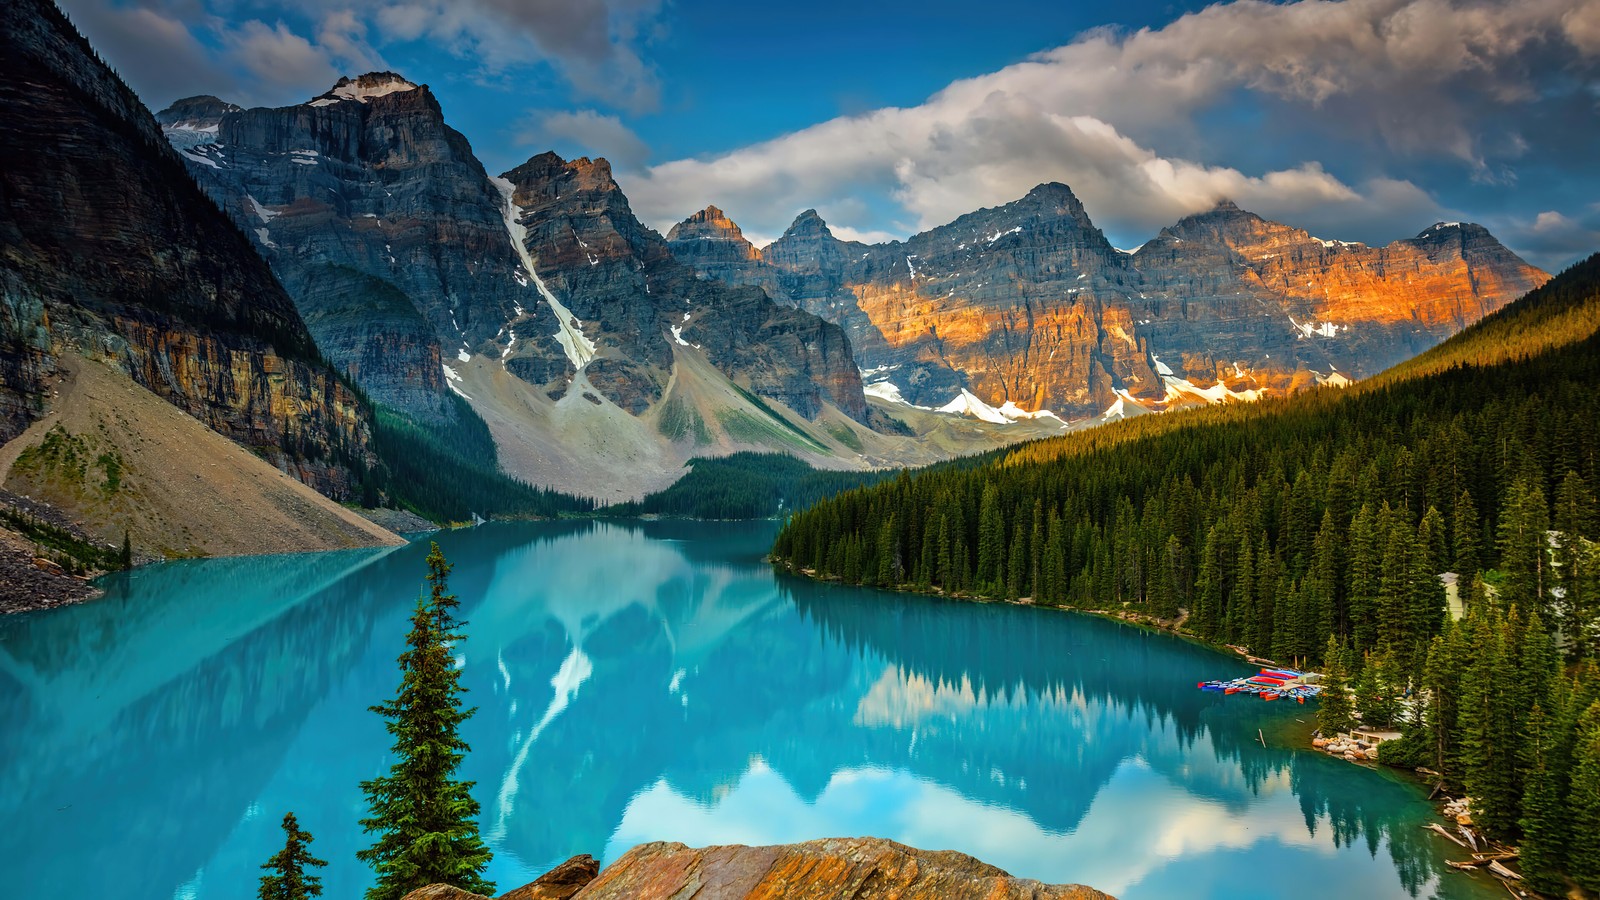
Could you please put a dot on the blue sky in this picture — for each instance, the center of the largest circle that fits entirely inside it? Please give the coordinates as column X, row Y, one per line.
column 1358, row 119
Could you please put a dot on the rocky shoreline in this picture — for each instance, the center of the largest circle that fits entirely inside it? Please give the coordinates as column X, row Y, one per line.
column 813, row 870
column 29, row 579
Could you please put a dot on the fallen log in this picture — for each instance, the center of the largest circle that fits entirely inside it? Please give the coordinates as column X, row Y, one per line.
column 1471, row 838
column 1502, row 871
column 1503, row 856
column 1436, row 827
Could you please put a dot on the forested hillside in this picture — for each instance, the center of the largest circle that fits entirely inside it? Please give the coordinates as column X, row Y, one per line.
column 745, row 486
column 1328, row 516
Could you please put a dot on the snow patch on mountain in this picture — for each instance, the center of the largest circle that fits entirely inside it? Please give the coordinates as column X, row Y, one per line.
column 569, row 331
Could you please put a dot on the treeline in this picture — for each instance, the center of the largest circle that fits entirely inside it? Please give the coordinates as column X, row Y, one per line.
column 745, row 486
column 1329, row 516
column 446, row 475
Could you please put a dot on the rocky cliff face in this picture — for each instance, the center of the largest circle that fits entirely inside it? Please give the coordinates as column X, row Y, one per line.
column 361, row 197
column 403, row 256
column 112, row 252
column 1027, row 303
column 867, row 868
column 623, row 301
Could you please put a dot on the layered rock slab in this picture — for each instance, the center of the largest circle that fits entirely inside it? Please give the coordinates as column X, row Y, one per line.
column 864, row 868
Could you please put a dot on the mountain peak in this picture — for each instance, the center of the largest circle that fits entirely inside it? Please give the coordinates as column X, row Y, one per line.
column 808, row 224
column 1226, row 205
column 710, row 224
column 1050, row 190
column 363, row 88
column 202, row 109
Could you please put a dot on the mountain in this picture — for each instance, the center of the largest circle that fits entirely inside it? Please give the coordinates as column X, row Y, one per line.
column 403, row 255
column 382, row 225
column 588, row 247
column 114, row 260
column 1029, row 304
column 599, row 361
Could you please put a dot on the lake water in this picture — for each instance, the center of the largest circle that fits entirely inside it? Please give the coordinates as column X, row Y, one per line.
column 657, row 681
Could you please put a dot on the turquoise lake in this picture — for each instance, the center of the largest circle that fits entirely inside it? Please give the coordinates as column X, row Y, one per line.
column 657, row 681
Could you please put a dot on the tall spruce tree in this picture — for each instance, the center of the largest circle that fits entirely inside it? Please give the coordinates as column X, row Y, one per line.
column 1333, row 708
column 1543, row 826
column 287, row 878
column 1583, row 854
column 424, row 817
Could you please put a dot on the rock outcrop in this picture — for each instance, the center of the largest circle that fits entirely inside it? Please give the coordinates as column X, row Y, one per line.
column 865, row 868
column 561, row 883
column 110, row 251
column 1028, row 303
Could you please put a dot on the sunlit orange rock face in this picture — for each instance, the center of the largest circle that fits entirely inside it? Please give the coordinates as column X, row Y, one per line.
column 1028, row 302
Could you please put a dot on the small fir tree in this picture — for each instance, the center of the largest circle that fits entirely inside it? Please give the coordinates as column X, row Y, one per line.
column 424, row 817
column 287, row 878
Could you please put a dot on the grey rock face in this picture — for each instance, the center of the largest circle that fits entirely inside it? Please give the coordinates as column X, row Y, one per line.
column 368, row 180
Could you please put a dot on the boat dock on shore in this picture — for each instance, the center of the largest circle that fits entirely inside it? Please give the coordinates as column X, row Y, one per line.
column 1271, row 684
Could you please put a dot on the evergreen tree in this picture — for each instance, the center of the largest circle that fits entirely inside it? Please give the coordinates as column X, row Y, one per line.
column 1543, row 825
column 126, row 560
column 287, row 878
column 1333, row 704
column 1524, row 545
column 424, row 817
column 1488, row 734
column 1584, row 802
column 1465, row 537
column 1573, row 522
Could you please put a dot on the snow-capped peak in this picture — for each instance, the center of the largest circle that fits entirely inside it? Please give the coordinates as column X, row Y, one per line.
column 364, row 88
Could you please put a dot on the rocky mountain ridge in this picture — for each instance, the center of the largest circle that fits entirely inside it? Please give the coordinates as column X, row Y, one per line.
column 112, row 253
column 1028, row 304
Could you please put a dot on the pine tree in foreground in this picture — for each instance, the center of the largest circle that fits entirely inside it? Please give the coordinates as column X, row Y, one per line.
column 425, row 818
column 291, row 881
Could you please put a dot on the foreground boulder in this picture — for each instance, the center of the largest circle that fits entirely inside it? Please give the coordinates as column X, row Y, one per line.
column 861, row 868
column 561, row 883
column 834, row 867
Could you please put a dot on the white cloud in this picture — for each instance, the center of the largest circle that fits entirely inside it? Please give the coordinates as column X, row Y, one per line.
column 594, row 133
column 1118, row 117
column 596, row 44
column 275, row 54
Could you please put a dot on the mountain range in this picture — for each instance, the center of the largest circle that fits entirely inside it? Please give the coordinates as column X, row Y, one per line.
column 1027, row 306
column 600, row 364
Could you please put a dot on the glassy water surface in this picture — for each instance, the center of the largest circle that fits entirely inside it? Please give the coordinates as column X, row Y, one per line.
column 657, row 681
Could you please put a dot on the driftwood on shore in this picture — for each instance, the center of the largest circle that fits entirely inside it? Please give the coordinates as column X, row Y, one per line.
column 1485, row 859
column 1435, row 826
